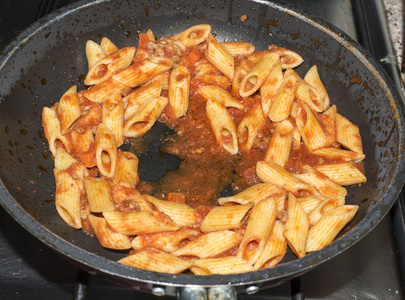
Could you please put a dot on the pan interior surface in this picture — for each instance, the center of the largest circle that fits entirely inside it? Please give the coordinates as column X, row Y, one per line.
column 49, row 57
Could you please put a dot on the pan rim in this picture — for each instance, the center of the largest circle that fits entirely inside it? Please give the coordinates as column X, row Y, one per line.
column 296, row 267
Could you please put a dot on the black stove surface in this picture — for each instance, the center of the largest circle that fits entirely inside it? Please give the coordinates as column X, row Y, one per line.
column 30, row 270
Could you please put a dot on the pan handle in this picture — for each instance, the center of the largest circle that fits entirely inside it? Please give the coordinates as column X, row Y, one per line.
column 212, row 293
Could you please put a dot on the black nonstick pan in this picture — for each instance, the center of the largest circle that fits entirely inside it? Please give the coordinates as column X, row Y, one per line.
column 47, row 58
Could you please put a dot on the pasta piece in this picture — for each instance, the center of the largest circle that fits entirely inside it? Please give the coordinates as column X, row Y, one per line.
column 157, row 261
column 110, row 65
column 51, row 126
column 165, row 241
column 108, row 46
column 329, row 226
column 142, row 50
column 107, row 237
column 64, row 161
column 288, row 58
column 271, row 172
column 134, row 223
column 210, row 244
column 67, row 199
column 139, row 73
column 140, row 122
column 279, row 148
column 204, row 68
column 102, row 91
column 220, row 95
column 150, row 35
column 162, row 78
column 94, row 52
column 270, row 86
column 281, row 201
column 260, row 224
column 340, row 154
column 282, row 103
column 323, row 207
column 113, row 117
column 321, row 183
column 250, row 126
column 217, row 55
column 106, row 151
column 98, row 195
column 308, row 94
column 312, row 77
column 226, row 217
column 222, row 266
column 130, row 198
column 193, row 36
column 310, row 129
column 238, row 48
column 309, row 203
column 296, row 228
column 348, row 134
column 180, row 213
column 343, row 174
column 84, row 144
column 68, row 110
column 253, row 194
column 240, row 73
column 221, row 81
column 328, row 120
column 179, row 90
column 223, row 126
column 258, row 74
column 274, row 249
column 137, row 98
column 126, row 169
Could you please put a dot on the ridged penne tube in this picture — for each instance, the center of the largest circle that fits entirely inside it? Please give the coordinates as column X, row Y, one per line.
column 157, row 261
column 109, row 65
column 108, row 46
column 296, row 142
column 253, row 194
column 179, row 91
column 348, row 134
column 238, row 48
column 220, row 95
column 258, row 74
column 308, row 94
column 329, row 226
column 323, row 207
column 312, row 77
column 223, row 126
column 288, row 58
column 296, row 228
column 113, row 117
column 150, row 35
column 281, row 107
column 100, row 92
column 94, row 53
column 194, row 35
column 343, row 174
column 279, row 147
column 240, row 73
column 271, row 172
column 250, row 126
column 137, row 98
column 180, row 213
column 140, row 72
column 217, row 55
column 140, row 122
column 225, row 217
column 309, row 203
column 275, row 248
column 204, row 68
column 281, row 201
column 68, row 109
column 106, row 151
column 210, row 244
column 107, row 237
column 328, row 120
column 126, row 169
column 222, row 266
column 51, row 126
column 98, row 195
column 67, row 199
column 165, row 241
column 134, row 223
column 163, row 79
column 310, row 129
column 321, row 183
column 64, row 161
column 219, row 80
column 259, row 226
column 270, row 86
column 340, row 154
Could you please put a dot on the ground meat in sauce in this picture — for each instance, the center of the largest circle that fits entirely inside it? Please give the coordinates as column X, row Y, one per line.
column 164, row 48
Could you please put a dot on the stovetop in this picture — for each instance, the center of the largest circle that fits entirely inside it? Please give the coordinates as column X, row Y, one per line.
column 368, row 270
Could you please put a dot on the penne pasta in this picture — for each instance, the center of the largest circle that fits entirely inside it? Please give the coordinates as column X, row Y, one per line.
column 126, row 170
column 343, row 174
column 106, row 151
column 94, row 52
column 102, row 91
column 108, row 46
column 220, row 95
column 98, row 195
column 323, row 207
column 113, row 117
column 250, row 127
column 340, row 154
column 68, row 110
column 279, row 147
column 179, row 90
column 238, row 48
column 193, row 36
column 270, row 87
column 288, row 58
column 348, row 134
column 222, row 266
column 52, row 130
column 253, row 194
column 217, row 55
column 312, row 77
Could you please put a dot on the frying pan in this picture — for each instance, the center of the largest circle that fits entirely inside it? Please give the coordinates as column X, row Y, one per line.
column 48, row 57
